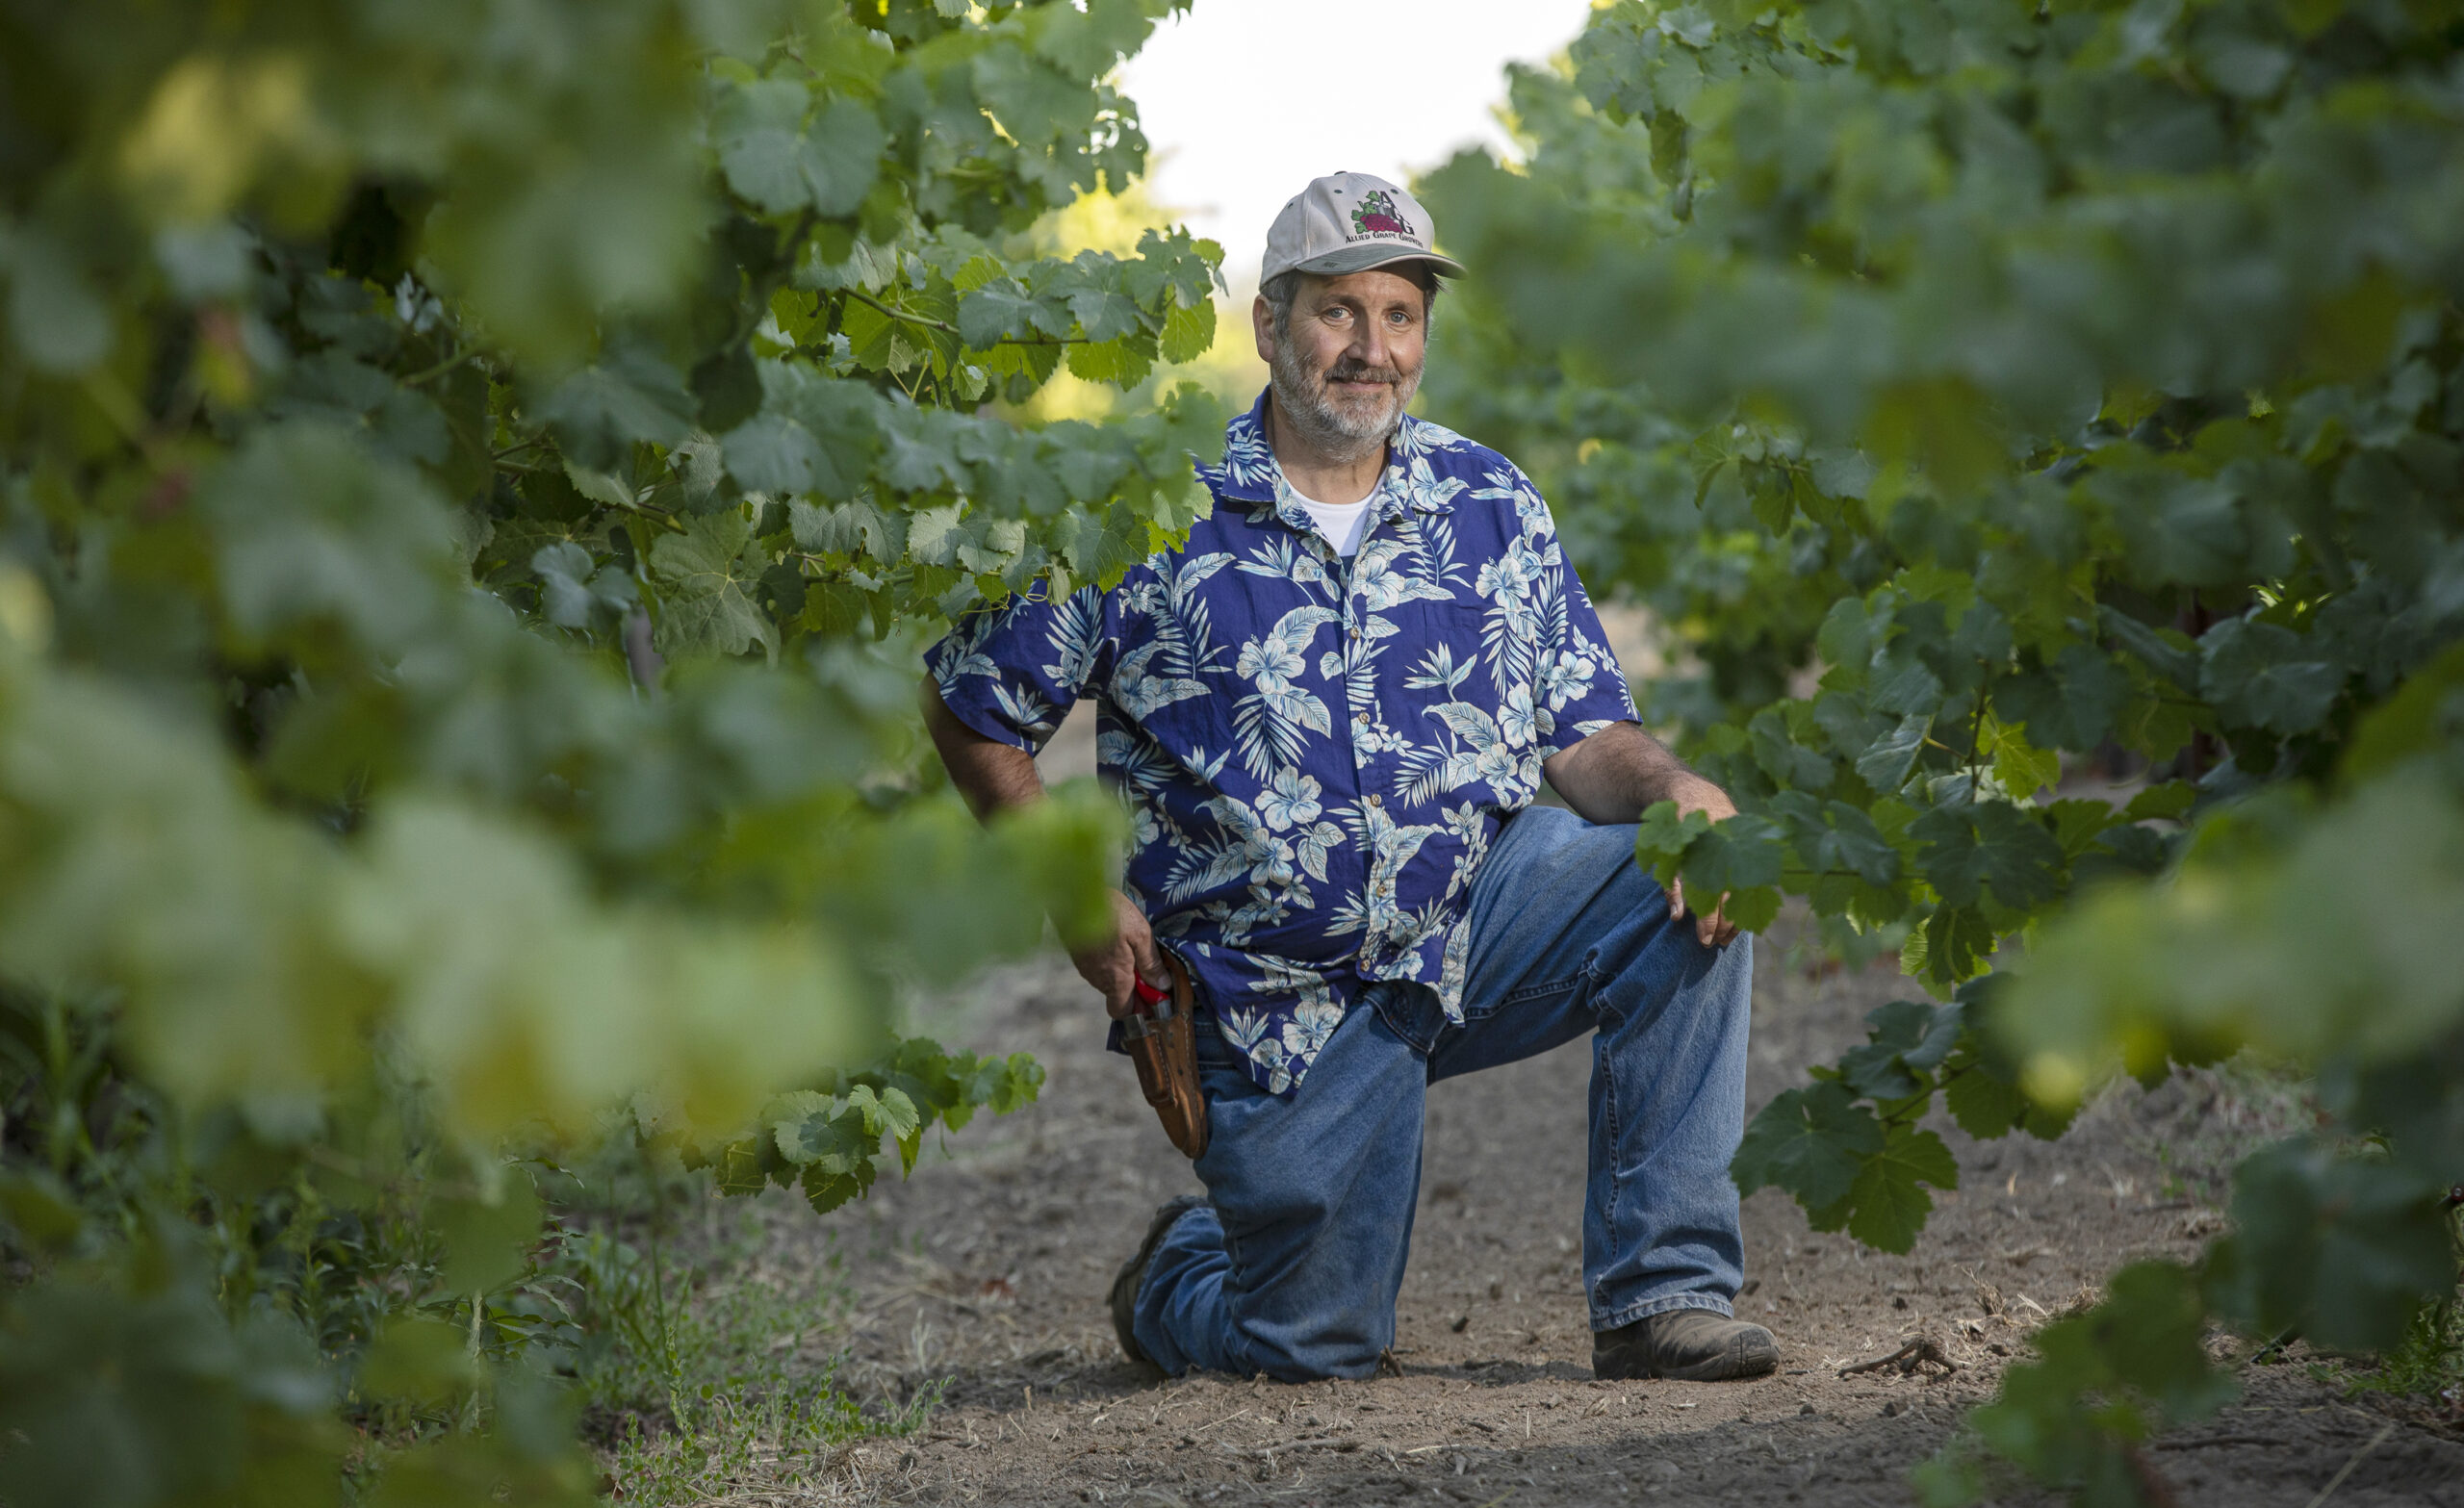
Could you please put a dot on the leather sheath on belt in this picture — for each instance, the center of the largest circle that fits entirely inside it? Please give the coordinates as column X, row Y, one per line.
column 1161, row 1035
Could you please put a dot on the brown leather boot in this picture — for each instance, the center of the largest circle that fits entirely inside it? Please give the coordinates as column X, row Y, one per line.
column 1689, row 1345
column 1133, row 1272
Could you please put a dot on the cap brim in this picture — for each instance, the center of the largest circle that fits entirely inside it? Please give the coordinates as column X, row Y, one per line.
column 1360, row 259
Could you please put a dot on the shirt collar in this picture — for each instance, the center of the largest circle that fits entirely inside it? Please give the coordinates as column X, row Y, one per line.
column 1248, row 472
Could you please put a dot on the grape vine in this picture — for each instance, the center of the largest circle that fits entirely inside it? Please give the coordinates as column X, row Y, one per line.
column 472, row 484
column 1990, row 394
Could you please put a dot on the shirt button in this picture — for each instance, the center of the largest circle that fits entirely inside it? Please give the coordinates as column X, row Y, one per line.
column 1377, row 800
column 1355, row 634
column 1361, row 718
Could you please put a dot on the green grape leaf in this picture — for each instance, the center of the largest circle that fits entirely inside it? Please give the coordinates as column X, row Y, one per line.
column 1952, row 945
column 1811, row 1141
column 1012, row 1085
column 1985, row 1106
column 1738, row 854
column 865, row 1106
column 1834, row 836
column 758, row 129
column 1905, row 1036
column 1117, row 362
column 1004, row 310
column 1104, row 315
column 1662, row 838
column 1968, row 849
column 1851, row 632
column 1102, row 546
column 1788, row 763
column 1942, row 1033
column 1886, row 764
column 899, row 1117
column 775, row 452
column 2165, row 651
column 710, row 571
column 573, row 589
column 1751, row 908
column 2078, row 822
column 601, row 411
column 840, row 157
column 1188, row 332
column 2265, row 676
column 1888, row 1202
column 850, row 529
column 1902, row 682
column 2073, row 702
column 827, row 1188
column 804, row 1126
column 2020, row 767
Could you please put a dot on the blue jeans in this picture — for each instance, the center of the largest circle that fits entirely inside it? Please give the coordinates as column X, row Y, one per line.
column 1292, row 1267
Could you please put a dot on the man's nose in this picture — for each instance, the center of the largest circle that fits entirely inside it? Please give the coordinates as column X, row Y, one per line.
column 1368, row 344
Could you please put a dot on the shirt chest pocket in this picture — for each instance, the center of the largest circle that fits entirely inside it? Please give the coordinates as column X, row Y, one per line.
column 1456, row 642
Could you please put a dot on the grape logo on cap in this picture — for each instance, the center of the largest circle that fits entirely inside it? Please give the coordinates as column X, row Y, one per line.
column 1375, row 214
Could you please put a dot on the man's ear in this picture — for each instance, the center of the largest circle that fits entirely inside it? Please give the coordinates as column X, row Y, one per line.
column 1261, row 321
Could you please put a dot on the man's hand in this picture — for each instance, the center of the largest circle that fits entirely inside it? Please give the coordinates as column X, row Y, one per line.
column 1618, row 772
column 1693, row 793
column 1131, row 954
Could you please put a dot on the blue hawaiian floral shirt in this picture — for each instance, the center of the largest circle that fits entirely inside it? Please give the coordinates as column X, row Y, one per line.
column 1316, row 751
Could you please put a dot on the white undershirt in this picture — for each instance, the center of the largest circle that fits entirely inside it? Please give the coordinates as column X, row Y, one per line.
column 1342, row 523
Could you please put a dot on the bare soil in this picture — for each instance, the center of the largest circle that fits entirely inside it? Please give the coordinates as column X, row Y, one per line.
column 989, row 1270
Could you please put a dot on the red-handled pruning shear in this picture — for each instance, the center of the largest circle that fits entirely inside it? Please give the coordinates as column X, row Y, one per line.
column 1150, row 1009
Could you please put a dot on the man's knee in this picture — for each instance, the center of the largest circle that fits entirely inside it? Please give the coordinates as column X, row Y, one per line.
column 1313, row 1306
column 1314, row 1349
column 1670, row 962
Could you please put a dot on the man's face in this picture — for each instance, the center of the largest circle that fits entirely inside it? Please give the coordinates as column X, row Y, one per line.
column 1351, row 357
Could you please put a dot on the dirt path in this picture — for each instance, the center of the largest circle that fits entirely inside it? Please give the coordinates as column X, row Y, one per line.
column 990, row 1269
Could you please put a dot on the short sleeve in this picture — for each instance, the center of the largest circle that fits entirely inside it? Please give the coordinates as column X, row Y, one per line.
column 1012, row 672
column 1579, row 687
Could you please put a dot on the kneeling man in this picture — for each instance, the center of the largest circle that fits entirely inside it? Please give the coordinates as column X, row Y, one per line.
column 1329, row 712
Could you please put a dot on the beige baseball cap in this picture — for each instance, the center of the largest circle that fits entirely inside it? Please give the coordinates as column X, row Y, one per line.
column 1348, row 222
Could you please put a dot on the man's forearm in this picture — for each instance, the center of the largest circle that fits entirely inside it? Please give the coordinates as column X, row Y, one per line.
column 993, row 777
column 1617, row 773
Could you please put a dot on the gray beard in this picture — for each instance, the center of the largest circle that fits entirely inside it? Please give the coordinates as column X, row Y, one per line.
column 1341, row 434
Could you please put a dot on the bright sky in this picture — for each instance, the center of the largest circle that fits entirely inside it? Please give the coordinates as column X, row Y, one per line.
column 1244, row 101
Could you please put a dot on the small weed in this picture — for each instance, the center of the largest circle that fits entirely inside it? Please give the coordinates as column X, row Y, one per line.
column 767, row 1437
column 699, row 1385
column 2430, row 1361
